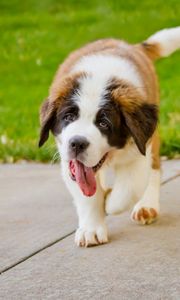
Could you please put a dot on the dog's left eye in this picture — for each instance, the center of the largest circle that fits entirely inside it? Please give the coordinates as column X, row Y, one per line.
column 103, row 124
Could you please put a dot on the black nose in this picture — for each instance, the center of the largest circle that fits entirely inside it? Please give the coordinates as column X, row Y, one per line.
column 78, row 144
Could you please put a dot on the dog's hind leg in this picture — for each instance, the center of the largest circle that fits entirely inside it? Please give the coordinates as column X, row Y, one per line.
column 131, row 180
column 147, row 209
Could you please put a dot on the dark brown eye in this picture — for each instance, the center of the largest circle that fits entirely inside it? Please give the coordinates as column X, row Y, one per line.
column 69, row 117
column 103, row 124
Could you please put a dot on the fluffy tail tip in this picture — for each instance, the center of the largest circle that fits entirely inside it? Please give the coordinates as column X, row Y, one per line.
column 163, row 43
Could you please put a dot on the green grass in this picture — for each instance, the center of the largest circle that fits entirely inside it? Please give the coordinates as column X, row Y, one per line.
column 37, row 35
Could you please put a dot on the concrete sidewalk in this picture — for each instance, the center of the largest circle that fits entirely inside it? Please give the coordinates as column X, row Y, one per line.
column 38, row 258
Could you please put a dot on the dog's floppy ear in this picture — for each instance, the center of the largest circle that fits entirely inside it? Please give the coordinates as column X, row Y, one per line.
column 142, row 122
column 140, row 117
column 47, row 119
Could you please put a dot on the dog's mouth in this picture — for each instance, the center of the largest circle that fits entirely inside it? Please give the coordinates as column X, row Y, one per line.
column 85, row 176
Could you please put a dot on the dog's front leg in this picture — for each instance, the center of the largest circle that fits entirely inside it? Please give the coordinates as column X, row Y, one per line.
column 92, row 229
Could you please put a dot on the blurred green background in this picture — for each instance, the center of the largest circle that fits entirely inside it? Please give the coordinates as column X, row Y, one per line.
column 35, row 38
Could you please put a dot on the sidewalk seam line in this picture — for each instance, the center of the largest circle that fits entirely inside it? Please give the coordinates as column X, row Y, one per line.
column 35, row 252
column 170, row 179
column 62, row 238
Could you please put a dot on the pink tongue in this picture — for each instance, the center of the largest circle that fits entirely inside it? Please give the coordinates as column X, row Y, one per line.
column 84, row 177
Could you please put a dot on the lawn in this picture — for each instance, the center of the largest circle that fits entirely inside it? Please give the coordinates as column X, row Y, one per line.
column 37, row 35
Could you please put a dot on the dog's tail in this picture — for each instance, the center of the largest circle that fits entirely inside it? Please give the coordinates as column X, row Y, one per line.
column 162, row 43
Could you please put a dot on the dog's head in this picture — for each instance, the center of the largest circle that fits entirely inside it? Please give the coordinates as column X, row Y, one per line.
column 90, row 118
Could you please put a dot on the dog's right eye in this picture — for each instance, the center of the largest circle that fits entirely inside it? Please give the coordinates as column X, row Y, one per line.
column 69, row 117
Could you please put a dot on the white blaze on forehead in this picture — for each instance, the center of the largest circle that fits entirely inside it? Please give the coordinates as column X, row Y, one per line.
column 90, row 96
column 102, row 68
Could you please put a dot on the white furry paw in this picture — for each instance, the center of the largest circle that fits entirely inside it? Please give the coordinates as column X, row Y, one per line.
column 144, row 215
column 87, row 238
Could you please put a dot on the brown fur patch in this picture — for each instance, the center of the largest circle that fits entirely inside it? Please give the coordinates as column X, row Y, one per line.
column 155, row 150
column 125, row 94
column 53, row 104
column 153, row 51
column 65, row 86
column 140, row 117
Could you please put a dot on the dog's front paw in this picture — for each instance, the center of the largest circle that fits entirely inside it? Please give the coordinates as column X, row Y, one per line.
column 144, row 215
column 87, row 238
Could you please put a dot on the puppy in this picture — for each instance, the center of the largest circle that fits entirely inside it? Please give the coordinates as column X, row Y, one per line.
column 103, row 111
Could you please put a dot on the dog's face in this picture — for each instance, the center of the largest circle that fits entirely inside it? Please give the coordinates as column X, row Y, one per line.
column 91, row 118
column 90, row 124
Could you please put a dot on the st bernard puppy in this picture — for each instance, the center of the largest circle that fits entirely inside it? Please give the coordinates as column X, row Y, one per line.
column 103, row 111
